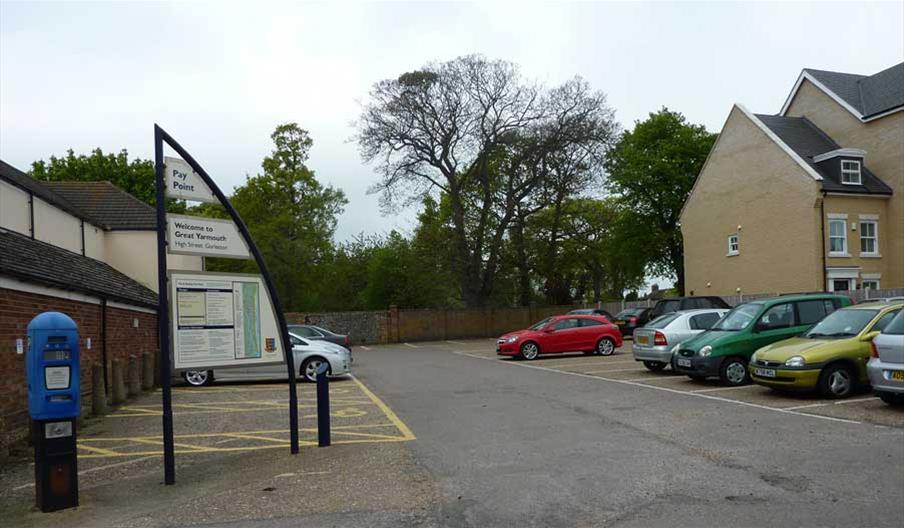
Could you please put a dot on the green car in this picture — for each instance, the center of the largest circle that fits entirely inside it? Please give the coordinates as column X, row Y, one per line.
column 831, row 356
column 725, row 349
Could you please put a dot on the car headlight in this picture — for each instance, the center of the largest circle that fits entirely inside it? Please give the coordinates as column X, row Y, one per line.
column 705, row 351
column 511, row 339
column 795, row 361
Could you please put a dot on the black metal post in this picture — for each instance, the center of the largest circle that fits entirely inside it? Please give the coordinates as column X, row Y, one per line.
column 268, row 280
column 169, row 461
column 323, row 407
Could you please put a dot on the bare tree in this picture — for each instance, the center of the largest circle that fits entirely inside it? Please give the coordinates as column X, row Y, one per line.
column 479, row 132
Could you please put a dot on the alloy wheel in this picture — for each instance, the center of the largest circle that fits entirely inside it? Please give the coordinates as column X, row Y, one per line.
column 840, row 382
column 197, row 378
column 605, row 347
column 311, row 368
column 736, row 373
column 529, row 351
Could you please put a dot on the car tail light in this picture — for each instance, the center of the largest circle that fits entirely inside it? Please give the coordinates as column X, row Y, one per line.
column 873, row 351
column 659, row 339
column 347, row 341
column 632, row 320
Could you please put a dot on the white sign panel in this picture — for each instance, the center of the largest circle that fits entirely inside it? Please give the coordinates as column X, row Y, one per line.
column 208, row 237
column 56, row 377
column 183, row 183
column 221, row 320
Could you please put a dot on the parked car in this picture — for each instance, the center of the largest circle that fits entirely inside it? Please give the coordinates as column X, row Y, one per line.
column 316, row 333
column 654, row 342
column 675, row 304
column 886, row 365
column 830, row 357
column 882, row 300
column 591, row 334
column 592, row 311
column 630, row 319
column 309, row 355
column 725, row 349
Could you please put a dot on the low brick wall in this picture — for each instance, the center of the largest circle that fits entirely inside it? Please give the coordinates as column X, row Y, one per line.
column 18, row 308
column 362, row 327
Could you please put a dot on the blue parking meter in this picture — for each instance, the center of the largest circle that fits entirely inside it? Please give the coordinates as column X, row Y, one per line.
column 54, row 402
column 52, row 367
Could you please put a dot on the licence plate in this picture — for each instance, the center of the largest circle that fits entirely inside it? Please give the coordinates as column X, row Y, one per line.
column 764, row 373
column 619, row 323
column 897, row 375
column 642, row 340
column 682, row 362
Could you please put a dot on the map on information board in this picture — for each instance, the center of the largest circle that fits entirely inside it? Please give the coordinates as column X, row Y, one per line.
column 222, row 320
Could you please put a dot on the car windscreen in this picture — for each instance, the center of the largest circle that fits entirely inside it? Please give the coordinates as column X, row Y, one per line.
column 896, row 326
column 841, row 323
column 739, row 318
column 667, row 306
column 662, row 322
column 540, row 325
column 624, row 314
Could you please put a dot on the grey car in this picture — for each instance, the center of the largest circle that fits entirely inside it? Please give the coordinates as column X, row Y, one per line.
column 654, row 342
column 317, row 333
column 886, row 366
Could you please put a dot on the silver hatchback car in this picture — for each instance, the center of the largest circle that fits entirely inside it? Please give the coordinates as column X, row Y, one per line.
column 886, row 364
column 654, row 342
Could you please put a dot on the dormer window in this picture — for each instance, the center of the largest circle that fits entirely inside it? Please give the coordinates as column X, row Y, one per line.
column 850, row 172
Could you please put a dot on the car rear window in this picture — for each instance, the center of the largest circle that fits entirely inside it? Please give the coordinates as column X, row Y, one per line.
column 589, row 322
column 704, row 321
column 662, row 322
column 667, row 306
column 633, row 312
column 896, row 326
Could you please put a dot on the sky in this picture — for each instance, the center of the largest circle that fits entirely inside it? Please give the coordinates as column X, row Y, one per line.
column 219, row 77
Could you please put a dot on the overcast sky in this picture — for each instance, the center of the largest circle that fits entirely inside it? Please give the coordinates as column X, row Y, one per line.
column 219, row 77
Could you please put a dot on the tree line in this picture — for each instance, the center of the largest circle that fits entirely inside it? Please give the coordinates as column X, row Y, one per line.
column 526, row 194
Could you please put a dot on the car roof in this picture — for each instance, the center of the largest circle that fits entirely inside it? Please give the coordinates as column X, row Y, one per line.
column 796, row 297
column 875, row 306
column 702, row 310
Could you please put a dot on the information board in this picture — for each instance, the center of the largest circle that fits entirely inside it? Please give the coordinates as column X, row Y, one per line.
column 222, row 320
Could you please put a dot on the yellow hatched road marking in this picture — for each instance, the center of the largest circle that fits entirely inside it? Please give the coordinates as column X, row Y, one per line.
column 406, row 432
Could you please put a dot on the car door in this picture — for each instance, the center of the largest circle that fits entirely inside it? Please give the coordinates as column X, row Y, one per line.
column 591, row 330
column 775, row 324
column 564, row 335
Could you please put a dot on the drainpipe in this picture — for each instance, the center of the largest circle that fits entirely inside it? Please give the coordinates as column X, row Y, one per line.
column 822, row 241
column 103, row 338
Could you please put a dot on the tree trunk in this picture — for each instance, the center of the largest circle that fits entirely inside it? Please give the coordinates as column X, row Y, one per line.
column 524, row 293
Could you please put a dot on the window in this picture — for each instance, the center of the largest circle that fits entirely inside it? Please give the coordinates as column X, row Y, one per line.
column 566, row 324
column 733, row 245
column 841, row 285
column 850, row 172
column 870, row 284
column 883, row 321
column 869, row 237
column 837, row 237
column 296, row 341
column 779, row 316
column 704, row 321
column 305, row 331
column 808, row 312
column 590, row 322
column 896, row 327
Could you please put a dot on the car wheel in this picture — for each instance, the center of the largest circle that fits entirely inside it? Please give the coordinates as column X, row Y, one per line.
column 198, row 378
column 892, row 398
column 654, row 366
column 836, row 381
column 733, row 372
column 310, row 367
column 530, row 350
column 605, row 347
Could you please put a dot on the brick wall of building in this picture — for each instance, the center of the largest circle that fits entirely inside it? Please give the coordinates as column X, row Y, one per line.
column 18, row 308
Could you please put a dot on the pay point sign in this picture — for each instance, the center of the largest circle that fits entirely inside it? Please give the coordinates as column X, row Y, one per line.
column 183, row 183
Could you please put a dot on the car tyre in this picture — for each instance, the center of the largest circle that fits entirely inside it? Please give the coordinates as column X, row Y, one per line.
column 529, row 351
column 654, row 366
column 310, row 366
column 198, row 378
column 733, row 372
column 837, row 381
column 605, row 347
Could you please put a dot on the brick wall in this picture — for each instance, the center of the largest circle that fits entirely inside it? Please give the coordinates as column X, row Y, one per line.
column 17, row 309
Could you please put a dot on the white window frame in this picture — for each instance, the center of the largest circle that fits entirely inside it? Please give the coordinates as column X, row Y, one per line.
column 864, row 281
column 736, row 244
column 852, row 170
column 844, row 245
column 874, row 238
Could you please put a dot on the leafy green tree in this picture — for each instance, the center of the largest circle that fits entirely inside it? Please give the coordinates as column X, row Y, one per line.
column 292, row 218
column 136, row 177
column 651, row 172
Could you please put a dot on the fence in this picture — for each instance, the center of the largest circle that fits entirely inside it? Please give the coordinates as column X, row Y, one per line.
column 399, row 326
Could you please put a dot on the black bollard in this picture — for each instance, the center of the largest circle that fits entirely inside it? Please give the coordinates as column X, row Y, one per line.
column 323, row 406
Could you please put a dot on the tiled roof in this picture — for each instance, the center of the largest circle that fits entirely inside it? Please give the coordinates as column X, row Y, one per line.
column 808, row 141
column 36, row 261
column 26, row 182
column 868, row 94
column 108, row 204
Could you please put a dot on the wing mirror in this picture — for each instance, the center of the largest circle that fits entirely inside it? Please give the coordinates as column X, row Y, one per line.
column 869, row 336
column 549, row 329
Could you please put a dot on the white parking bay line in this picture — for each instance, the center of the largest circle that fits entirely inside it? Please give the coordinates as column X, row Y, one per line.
column 635, row 369
column 826, row 404
column 717, row 389
column 456, row 343
column 95, row 469
column 410, row 345
column 362, row 347
column 674, row 391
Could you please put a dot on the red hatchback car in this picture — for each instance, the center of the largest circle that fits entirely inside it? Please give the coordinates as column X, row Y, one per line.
column 590, row 334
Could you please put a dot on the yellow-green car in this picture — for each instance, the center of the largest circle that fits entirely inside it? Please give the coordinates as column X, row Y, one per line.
column 830, row 357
